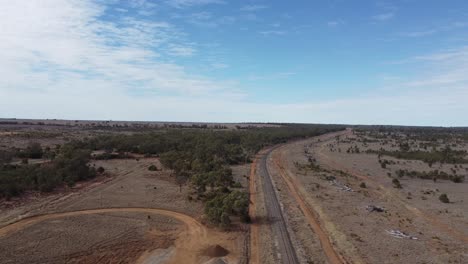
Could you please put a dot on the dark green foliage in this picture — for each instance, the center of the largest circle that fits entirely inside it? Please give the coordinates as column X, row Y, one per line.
column 363, row 185
column 70, row 166
column 444, row 198
column 220, row 205
column 6, row 156
column 152, row 168
column 110, row 155
column 446, row 155
column 32, row 151
column 431, row 175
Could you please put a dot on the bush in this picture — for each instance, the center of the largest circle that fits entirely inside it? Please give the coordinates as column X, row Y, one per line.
column 396, row 184
column 444, row 198
column 152, row 168
column 363, row 185
column 32, row 151
column 100, row 170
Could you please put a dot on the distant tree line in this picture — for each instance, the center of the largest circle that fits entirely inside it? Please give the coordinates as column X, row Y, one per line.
column 446, row 155
column 430, row 175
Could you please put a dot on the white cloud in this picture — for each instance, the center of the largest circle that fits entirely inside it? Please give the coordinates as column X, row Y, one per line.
column 62, row 47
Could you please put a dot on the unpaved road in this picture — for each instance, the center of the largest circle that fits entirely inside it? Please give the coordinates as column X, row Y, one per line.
column 275, row 214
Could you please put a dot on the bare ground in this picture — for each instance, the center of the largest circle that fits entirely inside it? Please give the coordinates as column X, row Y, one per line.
column 360, row 236
column 136, row 215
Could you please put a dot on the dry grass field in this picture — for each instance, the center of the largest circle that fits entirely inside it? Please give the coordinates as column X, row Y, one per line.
column 344, row 189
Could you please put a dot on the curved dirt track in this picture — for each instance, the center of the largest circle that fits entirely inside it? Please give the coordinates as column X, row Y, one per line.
column 384, row 191
column 192, row 237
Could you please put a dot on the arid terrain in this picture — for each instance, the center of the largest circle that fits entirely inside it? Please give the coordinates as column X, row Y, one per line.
column 341, row 207
column 350, row 196
column 133, row 215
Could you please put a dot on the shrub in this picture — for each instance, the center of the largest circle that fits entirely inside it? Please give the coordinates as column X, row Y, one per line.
column 444, row 198
column 152, row 168
column 396, row 184
column 363, row 185
column 100, row 170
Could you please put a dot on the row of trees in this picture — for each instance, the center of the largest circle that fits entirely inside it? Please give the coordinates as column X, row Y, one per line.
column 446, row 155
column 430, row 175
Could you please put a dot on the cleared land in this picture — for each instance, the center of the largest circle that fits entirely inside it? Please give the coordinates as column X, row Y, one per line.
column 138, row 215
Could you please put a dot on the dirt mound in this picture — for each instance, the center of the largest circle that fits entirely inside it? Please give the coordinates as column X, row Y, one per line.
column 215, row 251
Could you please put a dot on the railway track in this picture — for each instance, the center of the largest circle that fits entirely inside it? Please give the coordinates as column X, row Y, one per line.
column 275, row 214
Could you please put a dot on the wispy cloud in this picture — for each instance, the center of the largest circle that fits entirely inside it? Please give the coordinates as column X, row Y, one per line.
column 335, row 23
column 252, row 8
column 189, row 3
column 63, row 48
column 273, row 76
column 205, row 19
column 182, row 51
column 272, row 32
column 436, row 30
column 383, row 16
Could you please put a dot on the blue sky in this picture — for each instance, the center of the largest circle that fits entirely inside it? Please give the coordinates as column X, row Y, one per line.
column 358, row 62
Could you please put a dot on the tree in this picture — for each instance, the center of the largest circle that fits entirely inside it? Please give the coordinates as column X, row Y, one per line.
column 34, row 151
